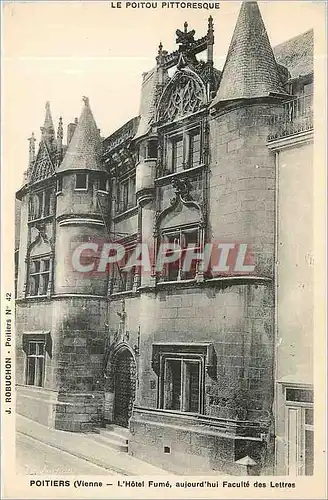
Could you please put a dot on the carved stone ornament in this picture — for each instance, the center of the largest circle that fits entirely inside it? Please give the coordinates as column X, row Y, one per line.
column 184, row 95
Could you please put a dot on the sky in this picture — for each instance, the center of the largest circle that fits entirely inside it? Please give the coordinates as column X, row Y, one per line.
column 62, row 51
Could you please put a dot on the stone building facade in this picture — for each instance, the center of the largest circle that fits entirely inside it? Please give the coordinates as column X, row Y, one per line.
column 189, row 359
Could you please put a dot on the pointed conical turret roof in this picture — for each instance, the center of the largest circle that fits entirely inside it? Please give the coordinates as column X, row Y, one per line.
column 84, row 151
column 48, row 122
column 48, row 130
column 250, row 69
column 42, row 166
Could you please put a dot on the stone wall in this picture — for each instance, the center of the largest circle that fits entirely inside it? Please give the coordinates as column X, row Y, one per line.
column 242, row 180
column 238, row 320
column 73, row 367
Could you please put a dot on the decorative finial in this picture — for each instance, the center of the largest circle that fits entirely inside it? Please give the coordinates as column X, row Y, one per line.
column 184, row 38
column 48, row 105
column 60, row 133
column 210, row 31
column 160, row 48
column 76, row 120
column 31, row 140
column 85, row 100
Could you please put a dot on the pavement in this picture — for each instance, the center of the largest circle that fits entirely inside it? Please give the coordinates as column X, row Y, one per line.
column 34, row 457
column 81, row 445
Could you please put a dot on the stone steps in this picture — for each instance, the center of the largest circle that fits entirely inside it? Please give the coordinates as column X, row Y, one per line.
column 113, row 436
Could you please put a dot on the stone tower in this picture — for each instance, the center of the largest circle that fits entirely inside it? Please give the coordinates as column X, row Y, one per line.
column 80, row 308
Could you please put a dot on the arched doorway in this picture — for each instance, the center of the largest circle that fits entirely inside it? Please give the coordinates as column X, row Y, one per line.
column 124, row 386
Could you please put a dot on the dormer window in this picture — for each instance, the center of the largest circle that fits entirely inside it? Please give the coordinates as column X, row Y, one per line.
column 81, row 182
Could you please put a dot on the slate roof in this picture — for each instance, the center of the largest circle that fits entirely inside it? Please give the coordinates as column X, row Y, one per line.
column 250, row 68
column 148, row 102
column 84, row 150
column 43, row 165
column 296, row 54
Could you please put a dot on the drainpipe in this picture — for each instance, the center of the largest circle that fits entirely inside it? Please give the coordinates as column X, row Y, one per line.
column 276, row 330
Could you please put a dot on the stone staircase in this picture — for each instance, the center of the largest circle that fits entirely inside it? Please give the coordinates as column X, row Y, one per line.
column 113, row 436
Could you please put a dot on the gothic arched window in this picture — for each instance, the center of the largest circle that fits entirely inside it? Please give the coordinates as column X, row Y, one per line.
column 184, row 95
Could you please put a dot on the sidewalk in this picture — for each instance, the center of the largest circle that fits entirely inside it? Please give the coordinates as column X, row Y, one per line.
column 82, row 446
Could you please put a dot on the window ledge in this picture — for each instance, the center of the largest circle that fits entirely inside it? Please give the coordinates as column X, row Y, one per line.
column 164, row 284
column 181, row 173
column 33, row 298
column 37, row 296
column 45, row 218
column 127, row 213
column 126, row 293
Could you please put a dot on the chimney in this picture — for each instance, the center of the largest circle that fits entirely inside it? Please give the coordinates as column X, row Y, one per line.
column 70, row 130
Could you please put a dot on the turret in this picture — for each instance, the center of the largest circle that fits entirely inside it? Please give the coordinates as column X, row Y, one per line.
column 250, row 92
column 82, row 205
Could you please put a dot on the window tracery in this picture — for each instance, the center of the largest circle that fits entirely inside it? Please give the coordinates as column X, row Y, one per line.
column 183, row 96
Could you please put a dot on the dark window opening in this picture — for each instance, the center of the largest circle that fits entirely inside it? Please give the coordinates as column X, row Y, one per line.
column 39, row 276
column 299, row 395
column 183, row 151
column 124, row 274
column 47, row 203
column 194, row 149
column 36, row 203
column 152, row 149
column 102, row 184
column 59, row 185
column 181, row 243
column 35, row 363
column 127, row 194
column 81, row 181
column 181, row 385
column 177, row 154
column 309, row 452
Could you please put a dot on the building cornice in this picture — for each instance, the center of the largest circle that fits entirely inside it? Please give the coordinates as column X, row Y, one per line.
column 291, row 141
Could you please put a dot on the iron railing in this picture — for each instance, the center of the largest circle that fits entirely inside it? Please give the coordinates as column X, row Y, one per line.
column 296, row 117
